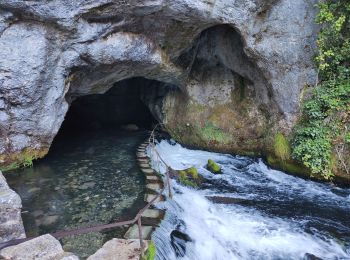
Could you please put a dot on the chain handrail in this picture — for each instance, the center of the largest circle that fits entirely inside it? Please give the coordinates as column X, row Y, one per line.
column 100, row 227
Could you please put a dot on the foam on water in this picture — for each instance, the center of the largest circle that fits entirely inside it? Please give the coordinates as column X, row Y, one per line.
column 282, row 217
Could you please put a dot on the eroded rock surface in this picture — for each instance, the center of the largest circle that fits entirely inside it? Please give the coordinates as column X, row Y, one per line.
column 11, row 226
column 241, row 66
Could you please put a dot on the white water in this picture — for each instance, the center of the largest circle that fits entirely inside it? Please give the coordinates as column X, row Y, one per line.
column 281, row 216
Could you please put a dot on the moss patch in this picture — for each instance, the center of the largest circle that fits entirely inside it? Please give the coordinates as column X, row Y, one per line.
column 189, row 177
column 288, row 166
column 24, row 158
column 212, row 133
column 282, row 147
column 213, row 167
column 151, row 252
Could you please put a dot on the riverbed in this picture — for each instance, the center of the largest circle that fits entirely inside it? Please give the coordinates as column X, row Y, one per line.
column 86, row 179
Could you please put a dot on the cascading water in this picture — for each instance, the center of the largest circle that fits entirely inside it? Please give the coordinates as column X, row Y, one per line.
column 274, row 215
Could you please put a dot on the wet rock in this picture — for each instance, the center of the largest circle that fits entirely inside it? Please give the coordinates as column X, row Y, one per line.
column 86, row 185
column 213, row 167
column 309, row 256
column 178, row 242
column 49, row 220
column 130, row 127
column 11, row 226
column 225, row 200
column 34, row 190
column 37, row 213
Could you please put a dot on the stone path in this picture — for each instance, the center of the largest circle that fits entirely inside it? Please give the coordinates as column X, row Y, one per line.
column 154, row 183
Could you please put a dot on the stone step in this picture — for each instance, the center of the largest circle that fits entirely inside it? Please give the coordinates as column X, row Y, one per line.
column 153, row 213
column 141, row 155
column 133, row 232
column 145, row 166
column 143, row 160
column 153, row 178
column 154, row 186
column 149, row 197
column 154, row 222
column 148, row 171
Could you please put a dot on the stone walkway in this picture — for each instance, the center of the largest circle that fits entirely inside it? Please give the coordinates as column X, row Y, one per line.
column 154, row 183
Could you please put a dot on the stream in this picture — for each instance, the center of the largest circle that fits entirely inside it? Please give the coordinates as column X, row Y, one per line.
column 267, row 214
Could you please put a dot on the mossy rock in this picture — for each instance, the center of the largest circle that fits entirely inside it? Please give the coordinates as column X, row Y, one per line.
column 213, row 167
column 289, row 166
column 189, row 177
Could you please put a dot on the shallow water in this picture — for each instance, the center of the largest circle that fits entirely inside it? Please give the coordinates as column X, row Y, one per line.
column 87, row 179
column 275, row 216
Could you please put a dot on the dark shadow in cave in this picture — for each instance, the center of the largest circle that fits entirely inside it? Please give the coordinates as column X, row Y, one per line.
column 136, row 101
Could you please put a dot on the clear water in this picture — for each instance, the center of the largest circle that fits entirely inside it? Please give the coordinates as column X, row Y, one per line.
column 86, row 179
column 277, row 216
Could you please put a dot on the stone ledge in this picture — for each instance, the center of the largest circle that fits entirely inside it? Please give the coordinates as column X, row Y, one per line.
column 119, row 249
column 45, row 247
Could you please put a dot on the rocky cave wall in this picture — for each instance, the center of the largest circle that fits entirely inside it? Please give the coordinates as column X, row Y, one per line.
column 241, row 66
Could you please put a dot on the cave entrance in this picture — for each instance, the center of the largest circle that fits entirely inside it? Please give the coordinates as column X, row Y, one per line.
column 124, row 106
column 90, row 175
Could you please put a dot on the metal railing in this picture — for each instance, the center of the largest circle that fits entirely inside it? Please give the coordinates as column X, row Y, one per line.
column 100, row 227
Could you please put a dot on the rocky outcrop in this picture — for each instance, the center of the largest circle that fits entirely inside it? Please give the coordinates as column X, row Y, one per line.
column 241, row 66
column 45, row 247
column 11, row 226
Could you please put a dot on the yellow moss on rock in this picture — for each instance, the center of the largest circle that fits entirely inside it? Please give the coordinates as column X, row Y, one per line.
column 282, row 147
column 25, row 158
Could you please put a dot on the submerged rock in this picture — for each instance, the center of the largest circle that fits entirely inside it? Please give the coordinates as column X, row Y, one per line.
column 178, row 242
column 130, row 127
column 309, row 256
column 213, row 167
column 189, row 177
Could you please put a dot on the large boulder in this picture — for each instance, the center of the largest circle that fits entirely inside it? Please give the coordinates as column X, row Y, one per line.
column 45, row 247
column 11, row 226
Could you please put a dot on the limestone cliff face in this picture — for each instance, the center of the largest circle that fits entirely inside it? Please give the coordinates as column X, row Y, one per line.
column 241, row 66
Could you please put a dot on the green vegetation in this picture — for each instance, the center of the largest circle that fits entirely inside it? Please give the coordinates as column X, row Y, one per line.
column 24, row 158
column 282, row 147
column 213, row 167
column 321, row 140
column 151, row 252
column 189, row 177
column 10, row 167
column 212, row 133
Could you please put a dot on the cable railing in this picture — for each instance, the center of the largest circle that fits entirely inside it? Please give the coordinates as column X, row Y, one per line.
column 99, row 227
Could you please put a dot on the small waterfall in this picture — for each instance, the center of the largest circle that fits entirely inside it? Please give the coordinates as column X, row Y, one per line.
column 275, row 215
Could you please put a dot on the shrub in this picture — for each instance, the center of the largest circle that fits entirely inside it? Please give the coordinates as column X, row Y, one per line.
column 326, row 116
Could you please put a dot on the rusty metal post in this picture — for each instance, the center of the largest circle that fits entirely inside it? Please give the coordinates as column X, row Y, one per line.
column 140, row 235
column 168, row 183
